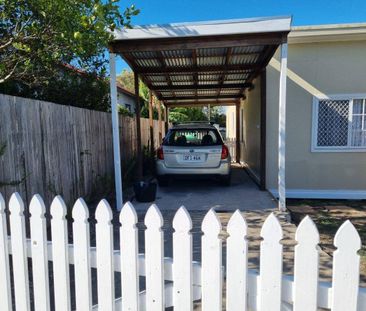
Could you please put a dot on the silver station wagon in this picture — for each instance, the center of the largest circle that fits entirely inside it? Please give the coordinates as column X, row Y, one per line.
column 193, row 149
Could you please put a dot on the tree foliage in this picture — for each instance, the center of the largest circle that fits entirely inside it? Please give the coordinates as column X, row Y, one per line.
column 38, row 37
column 185, row 114
column 127, row 80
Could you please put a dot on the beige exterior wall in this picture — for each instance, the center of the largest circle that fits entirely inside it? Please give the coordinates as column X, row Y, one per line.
column 251, row 129
column 230, row 122
column 314, row 68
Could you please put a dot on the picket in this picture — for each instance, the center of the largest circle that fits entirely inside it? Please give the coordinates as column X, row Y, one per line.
column 236, row 264
column 270, row 265
column 346, row 263
column 170, row 282
column 19, row 252
column 306, row 266
column 211, row 263
column 105, row 268
column 81, row 235
column 39, row 254
column 129, row 258
column 154, row 254
column 60, row 255
column 5, row 289
column 182, row 257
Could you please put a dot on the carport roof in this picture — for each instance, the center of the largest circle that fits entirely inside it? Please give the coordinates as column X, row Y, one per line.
column 201, row 63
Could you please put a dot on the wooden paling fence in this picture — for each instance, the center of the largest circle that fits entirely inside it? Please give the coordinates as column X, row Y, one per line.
column 52, row 149
column 173, row 281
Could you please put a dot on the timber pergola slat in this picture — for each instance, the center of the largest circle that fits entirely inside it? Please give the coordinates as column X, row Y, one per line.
column 201, row 64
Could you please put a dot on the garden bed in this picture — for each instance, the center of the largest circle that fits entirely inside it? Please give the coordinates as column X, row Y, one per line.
column 328, row 216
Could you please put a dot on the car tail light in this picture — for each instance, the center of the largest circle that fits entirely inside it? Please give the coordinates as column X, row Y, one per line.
column 224, row 152
column 160, row 153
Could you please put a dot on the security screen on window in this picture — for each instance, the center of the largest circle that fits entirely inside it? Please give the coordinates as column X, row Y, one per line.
column 340, row 123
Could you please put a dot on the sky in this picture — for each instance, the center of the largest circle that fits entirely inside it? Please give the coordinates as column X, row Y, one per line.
column 304, row 12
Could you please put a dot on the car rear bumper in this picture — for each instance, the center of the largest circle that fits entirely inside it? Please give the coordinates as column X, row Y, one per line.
column 222, row 169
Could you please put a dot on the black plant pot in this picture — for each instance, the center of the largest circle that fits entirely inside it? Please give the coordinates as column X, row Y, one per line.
column 145, row 191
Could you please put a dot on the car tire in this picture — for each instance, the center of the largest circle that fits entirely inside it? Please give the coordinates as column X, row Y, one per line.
column 226, row 180
column 163, row 181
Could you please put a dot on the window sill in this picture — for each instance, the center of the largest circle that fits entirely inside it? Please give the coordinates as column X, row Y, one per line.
column 343, row 150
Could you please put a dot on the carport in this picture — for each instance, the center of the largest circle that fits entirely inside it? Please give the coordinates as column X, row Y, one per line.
column 201, row 64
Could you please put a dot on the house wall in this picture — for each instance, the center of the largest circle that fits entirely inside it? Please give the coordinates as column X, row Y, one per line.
column 251, row 129
column 124, row 100
column 315, row 68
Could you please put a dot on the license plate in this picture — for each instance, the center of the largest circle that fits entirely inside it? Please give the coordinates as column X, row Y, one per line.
column 192, row 157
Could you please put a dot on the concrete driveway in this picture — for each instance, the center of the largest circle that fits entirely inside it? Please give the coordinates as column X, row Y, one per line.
column 201, row 195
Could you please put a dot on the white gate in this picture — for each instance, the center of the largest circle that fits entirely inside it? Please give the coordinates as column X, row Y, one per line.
column 173, row 281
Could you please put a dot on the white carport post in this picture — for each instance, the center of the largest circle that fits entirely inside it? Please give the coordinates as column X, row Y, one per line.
column 115, row 132
column 282, row 130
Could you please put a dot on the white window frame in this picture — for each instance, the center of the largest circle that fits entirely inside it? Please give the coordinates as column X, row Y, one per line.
column 349, row 148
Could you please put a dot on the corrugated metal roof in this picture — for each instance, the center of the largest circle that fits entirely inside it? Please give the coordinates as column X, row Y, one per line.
column 202, row 61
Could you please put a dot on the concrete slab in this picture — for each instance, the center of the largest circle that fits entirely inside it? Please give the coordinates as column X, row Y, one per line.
column 201, row 195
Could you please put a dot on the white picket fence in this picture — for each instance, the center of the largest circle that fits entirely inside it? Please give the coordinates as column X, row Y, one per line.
column 173, row 281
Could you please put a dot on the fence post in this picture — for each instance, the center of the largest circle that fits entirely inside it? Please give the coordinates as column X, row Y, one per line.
column 182, row 259
column 39, row 254
column 236, row 263
column 270, row 265
column 211, row 263
column 5, row 289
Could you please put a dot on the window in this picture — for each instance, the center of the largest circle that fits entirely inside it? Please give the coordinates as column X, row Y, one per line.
column 192, row 137
column 339, row 124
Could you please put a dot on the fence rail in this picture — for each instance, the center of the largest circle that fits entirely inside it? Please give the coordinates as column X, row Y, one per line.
column 52, row 149
column 176, row 281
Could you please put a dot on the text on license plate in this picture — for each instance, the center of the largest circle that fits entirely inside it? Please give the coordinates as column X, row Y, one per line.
column 191, row 157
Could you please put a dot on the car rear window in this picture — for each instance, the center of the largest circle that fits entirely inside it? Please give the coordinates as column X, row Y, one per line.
column 192, row 137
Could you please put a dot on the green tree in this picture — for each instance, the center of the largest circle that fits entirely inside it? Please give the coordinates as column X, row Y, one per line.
column 127, row 80
column 218, row 116
column 185, row 114
column 38, row 37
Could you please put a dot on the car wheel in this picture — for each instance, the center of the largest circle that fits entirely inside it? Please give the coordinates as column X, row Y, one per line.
column 163, row 181
column 226, row 180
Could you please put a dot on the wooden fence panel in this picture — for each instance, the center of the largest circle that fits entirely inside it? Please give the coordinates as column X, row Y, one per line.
column 54, row 149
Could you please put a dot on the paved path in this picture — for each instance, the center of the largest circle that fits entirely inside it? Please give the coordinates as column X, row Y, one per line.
column 201, row 195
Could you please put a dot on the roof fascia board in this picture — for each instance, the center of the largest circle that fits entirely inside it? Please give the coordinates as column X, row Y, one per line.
column 327, row 33
column 248, row 26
